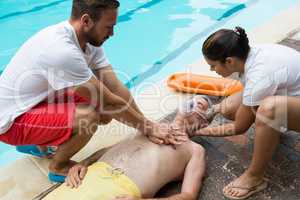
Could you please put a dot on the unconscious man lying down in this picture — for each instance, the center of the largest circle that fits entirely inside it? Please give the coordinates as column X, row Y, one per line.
column 137, row 168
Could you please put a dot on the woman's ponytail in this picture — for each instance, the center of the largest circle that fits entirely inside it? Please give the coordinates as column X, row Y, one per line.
column 227, row 43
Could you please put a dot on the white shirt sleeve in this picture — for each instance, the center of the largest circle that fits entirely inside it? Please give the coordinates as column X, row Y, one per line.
column 258, row 86
column 99, row 59
column 65, row 68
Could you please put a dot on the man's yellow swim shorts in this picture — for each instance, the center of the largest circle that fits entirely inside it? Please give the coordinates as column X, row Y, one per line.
column 102, row 182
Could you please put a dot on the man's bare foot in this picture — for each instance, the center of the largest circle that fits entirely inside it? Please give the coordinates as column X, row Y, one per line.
column 45, row 150
column 244, row 186
column 61, row 169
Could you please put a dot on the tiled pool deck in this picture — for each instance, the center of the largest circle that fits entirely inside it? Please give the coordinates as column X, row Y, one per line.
column 227, row 158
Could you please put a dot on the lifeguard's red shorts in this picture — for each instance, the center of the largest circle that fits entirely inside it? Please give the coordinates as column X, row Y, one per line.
column 46, row 124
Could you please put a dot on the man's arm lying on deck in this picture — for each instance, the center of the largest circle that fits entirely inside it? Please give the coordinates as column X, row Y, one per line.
column 192, row 180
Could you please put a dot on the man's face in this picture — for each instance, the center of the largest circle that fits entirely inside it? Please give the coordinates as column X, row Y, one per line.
column 191, row 109
column 201, row 103
column 103, row 28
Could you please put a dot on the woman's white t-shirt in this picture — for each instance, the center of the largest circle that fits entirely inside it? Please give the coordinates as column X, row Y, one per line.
column 49, row 61
column 270, row 70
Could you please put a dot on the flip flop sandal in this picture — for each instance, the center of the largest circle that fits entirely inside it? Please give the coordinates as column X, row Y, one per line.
column 55, row 178
column 252, row 190
column 35, row 151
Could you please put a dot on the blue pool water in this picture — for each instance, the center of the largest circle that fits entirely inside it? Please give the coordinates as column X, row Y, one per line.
column 153, row 37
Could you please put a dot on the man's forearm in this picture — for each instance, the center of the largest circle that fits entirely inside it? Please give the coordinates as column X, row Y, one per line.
column 114, row 106
column 122, row 112
column 109, row 78
column 125, row 94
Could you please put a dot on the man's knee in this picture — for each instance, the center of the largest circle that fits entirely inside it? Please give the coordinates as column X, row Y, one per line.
column 104, row 119
column 86, row 119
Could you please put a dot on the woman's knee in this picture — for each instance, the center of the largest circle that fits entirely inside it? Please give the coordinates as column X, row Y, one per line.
column 270, row 110
column 267, row 107
column 229, row 106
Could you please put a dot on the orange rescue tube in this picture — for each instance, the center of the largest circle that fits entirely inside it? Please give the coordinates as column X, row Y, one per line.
column 200, row 84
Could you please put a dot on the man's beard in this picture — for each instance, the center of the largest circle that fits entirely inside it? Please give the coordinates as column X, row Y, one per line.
column 92, row 39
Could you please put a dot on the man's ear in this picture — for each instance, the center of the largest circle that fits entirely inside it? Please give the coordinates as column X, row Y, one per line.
column 86, row 22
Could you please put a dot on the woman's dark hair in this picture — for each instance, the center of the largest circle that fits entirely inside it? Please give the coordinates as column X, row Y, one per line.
column 226, row 43
column 93, row 8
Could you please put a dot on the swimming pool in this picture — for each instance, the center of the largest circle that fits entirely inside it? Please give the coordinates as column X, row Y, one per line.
column 152, row 38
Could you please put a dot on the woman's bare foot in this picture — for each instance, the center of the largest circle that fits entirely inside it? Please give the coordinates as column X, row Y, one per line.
column 244, row 186
column 61, row 169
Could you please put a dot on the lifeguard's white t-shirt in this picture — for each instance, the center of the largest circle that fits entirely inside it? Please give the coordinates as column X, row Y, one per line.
column 271, row 70
column 49, row 61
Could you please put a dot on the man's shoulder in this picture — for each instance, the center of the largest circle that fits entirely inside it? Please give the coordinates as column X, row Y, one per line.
column 61, row 47
column 187, row 147
column 56, row 37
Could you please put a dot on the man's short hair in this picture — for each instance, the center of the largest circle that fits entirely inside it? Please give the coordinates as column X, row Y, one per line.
column 93, row 8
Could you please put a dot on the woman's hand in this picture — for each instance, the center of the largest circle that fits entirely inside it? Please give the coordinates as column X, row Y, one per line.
column 75, row 175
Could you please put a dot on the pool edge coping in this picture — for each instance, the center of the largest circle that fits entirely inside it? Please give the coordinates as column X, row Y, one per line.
column 290, row 20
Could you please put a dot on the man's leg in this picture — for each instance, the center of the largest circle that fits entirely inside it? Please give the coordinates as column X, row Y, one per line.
column 272, row 115
column 85, row 124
